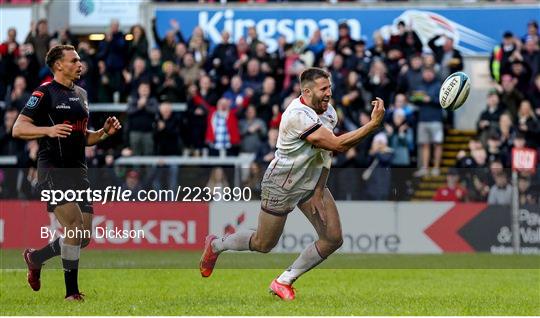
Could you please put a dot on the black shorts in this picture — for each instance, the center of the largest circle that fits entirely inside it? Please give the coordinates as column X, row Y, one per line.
column 64, row 179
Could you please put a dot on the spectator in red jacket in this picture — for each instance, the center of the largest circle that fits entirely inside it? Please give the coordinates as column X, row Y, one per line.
column 222, row 132
column 453, row 191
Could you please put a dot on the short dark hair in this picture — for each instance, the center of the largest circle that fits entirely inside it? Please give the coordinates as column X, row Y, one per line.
column 312, row 74
column 56, row 53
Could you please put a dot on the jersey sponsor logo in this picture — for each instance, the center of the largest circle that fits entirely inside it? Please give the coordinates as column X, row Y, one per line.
column 33, row 101
column 63, row 106
column 74, row 99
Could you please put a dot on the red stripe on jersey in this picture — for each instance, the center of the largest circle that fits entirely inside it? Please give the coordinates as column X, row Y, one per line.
column 37, row 93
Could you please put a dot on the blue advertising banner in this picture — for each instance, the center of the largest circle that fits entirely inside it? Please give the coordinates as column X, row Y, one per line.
column 475, row 30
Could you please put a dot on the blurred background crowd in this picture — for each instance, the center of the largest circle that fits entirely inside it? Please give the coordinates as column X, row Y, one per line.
column 235, row 93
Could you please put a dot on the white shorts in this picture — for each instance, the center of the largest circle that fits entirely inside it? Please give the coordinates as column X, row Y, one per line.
column 430, row 133
column 278, row 201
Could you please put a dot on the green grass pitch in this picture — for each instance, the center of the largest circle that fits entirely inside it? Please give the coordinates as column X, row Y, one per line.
column 168, row 283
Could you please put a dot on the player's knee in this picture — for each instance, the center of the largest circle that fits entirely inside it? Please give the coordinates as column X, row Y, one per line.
column 335, row 241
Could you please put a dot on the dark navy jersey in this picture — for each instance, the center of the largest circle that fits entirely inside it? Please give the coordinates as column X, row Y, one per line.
column 52, row 104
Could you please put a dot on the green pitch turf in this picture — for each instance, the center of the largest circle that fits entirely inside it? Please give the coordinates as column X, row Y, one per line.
column 168, row 283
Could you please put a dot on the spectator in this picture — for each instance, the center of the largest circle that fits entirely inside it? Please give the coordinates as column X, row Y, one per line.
column 522, row 73
column 410, row 75
column 190, row 70
column 9, row 53
column 345, row 43
column 453, row 191
column 155, row 69
column 379, row 47
column 39, row 38
column 167, row 45
column 378, row 82
column 528, row 124
column 265, row 99
column 534, row 95
column 218, row 180
column 328, row 54
column 266, row 152
column 316, row 44
column 501, row 54
column 338, row 74
column 252, row 131
column 253, row 180
column 179, row 51
column 401, row 139
column 142, row 112
column 410, row 43
column 136, row 76
column 133, row 182
column 501, row 192
column 196, row 119
column 113, row 51
column 253, row 77
column 531, row 56
column 532, row 32
column 378, row 175
column 172, row 88
column 235, row 93
column 401, row 102
column 447, row 56
column 18, row 95
column 167, row 144
column 527, row 195
column 8, row 144
column 509, row 95
column 28, row 66
column 167, row 132
column 268, row 64
column 198, row 45
column 252, row 39
column 506, row 131
column 65, row 37
column 360, row 60
column 224, row 56
column 495, row 151
column 222, row 132
column 430, row 125
column 138, row 46
column 489, row 118
column 105, row 88
column 352, row 101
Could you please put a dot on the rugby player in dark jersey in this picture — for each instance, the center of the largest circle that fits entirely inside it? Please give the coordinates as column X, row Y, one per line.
column 57, row 115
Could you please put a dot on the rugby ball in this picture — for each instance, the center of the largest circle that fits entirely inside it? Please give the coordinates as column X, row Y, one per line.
column 454, row 91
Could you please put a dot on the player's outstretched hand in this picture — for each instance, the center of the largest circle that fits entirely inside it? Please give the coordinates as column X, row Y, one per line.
column 111, row 126
column 377, row 114
column 60, row 131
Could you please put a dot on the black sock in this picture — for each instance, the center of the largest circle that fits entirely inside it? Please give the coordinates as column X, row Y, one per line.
column 48, row 251
column 71, row 270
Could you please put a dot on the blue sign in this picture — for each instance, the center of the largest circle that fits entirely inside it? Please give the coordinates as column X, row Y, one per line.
column 475, row 30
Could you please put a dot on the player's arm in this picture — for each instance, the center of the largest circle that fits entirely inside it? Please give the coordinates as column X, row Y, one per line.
column 111, row 126
column 24, row 128
column 324, row 138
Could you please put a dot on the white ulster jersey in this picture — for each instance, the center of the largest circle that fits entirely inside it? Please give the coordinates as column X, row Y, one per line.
column 297, row 162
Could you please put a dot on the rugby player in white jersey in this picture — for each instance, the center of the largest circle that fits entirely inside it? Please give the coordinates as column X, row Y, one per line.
column 297, row 177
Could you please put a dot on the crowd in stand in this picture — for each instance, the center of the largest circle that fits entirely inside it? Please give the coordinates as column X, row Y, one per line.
column 236, row 92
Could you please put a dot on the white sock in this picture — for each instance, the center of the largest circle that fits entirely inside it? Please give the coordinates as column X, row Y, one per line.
column 238, row 241
column 308, row 259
